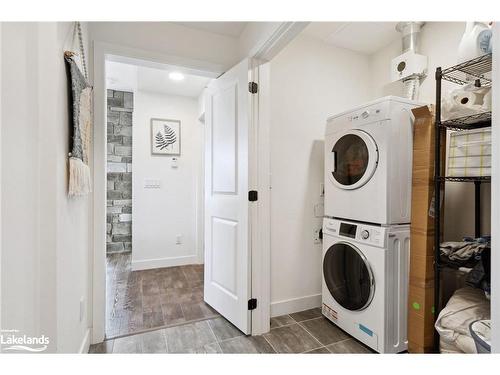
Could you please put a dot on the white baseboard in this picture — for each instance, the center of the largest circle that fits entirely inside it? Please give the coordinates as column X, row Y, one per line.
column 84, row 346
column 292, row 305
column 164, row 262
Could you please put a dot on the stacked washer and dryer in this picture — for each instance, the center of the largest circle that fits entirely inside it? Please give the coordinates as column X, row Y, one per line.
column 366, row 232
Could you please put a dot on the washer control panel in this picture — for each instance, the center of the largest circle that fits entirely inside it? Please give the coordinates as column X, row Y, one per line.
column 365, row 234
column 360, row 232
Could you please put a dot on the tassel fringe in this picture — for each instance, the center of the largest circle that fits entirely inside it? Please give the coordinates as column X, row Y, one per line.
column 79, row 178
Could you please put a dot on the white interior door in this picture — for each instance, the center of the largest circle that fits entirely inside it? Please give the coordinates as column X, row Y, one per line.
column 227, row 160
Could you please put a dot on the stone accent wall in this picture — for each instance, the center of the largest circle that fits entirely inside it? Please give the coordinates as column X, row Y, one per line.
column 119, row 170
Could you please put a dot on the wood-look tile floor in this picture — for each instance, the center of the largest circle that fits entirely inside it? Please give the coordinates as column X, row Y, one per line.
column 138, row 301
column 303, row 332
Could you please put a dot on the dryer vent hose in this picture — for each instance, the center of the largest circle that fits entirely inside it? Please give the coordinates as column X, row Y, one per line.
column 411, row 88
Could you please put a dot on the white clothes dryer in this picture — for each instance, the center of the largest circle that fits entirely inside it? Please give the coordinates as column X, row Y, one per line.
column 368, row 162
column 365, row 282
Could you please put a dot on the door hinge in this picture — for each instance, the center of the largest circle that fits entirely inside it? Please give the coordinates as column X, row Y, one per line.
column 252, row 304
column 253, row 87
column 253, row 195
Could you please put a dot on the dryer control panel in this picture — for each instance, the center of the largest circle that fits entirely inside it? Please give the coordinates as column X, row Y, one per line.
column 360, row 232
column 368, row 115
column 364, row 115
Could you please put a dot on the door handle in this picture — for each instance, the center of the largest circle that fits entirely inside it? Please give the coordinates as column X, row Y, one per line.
column 333, row 157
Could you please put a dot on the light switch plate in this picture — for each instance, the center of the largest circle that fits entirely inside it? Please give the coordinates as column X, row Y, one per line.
column 152, row 184
column 174, row 162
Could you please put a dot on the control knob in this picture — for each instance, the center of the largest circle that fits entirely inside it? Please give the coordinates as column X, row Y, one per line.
column 365, row 234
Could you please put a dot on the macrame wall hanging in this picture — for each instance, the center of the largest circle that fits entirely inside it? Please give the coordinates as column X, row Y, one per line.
column 81, row 123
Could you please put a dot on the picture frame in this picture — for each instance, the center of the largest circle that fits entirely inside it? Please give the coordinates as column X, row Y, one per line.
column 165, row 137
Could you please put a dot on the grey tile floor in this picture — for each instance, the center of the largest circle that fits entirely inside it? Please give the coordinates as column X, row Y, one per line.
column 162, row 297
column 303, row 332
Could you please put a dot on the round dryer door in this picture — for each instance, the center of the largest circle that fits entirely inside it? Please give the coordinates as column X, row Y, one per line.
column 353, row 159
column 348, row 276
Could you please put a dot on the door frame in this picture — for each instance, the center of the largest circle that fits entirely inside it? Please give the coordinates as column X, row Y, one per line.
column 101, row 52
column 495, row 199
column 261, row 212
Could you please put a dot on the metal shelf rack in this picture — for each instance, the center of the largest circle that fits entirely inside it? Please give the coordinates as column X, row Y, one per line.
column 469, row 71
column 475, row 121
column 478, row 71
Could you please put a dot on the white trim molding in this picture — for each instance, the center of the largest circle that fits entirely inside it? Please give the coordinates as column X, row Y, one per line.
column 164, row 262
column 260, row 214
column 283, row 35
column 292, row 305
column 85, row 345
column 101, row 53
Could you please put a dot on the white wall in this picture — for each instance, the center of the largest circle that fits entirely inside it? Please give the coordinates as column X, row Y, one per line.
column 73, row 217
column 20, row 200
column 167, row 38
column 310, row 80
column 159, row 215
column 45, row 242
column 439, row 41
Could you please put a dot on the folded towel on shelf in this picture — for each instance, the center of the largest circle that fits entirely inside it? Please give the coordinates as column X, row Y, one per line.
column 462, row 253
column 465, row 306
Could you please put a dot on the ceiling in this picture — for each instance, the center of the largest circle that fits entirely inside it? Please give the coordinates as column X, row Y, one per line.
column 364, row 37
column 130, row 77
column 232, row 29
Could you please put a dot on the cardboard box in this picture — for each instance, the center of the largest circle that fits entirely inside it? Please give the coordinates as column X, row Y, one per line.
column 421, row 289
column 421, row 318
column 423, row 270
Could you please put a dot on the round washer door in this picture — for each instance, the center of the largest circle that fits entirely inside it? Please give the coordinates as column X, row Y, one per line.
column 353, row 159
column 348, row 276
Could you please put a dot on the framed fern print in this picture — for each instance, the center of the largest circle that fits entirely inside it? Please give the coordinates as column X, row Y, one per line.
column 165, row 137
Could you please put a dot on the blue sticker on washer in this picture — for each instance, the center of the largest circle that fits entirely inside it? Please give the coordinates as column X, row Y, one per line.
column 366, row 330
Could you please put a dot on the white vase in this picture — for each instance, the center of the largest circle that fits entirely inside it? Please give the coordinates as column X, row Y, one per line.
column 475, row 41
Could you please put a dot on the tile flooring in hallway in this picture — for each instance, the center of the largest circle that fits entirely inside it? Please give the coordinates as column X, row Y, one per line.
column 303, row 332
column 162, row 297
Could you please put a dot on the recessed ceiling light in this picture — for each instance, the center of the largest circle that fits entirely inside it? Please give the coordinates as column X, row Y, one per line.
column 176, row 76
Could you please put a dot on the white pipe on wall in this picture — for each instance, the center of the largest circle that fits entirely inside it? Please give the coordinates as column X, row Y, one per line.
column 411, row 42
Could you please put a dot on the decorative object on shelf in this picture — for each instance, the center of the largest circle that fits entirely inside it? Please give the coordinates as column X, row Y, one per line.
column 165, row 137
column 81, row 125
column 475, row 42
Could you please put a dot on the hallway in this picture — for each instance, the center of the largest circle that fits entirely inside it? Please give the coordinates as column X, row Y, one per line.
column 162, row 297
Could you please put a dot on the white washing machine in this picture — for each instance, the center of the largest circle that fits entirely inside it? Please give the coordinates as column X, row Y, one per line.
column 368, row 162
column 365, row 282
